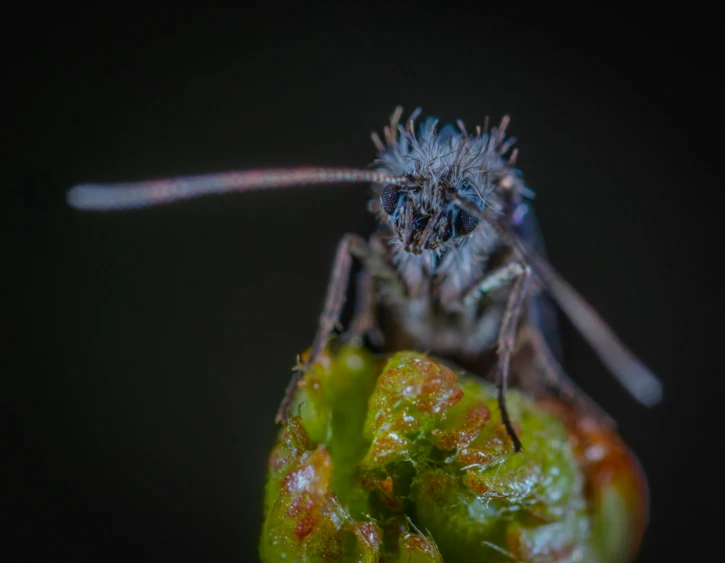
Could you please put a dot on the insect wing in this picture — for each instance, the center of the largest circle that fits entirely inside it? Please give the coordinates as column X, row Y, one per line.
column 541, row 311
column 631, row 373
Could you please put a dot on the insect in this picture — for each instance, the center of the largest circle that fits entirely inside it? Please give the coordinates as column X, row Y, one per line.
column 455, row 266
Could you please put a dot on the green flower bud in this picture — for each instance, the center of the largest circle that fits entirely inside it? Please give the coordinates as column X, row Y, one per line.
column 412, row 463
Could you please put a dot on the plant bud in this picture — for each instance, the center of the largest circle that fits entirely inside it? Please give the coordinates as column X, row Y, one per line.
column 407, row 460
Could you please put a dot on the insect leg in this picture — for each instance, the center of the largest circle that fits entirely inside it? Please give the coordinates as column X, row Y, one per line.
column 554, row 376
column 334, row 301
column 363, row 321
column 495, row 280
column 506, row 340
column 624, row 365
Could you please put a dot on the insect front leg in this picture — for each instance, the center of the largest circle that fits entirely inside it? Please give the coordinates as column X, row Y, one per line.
column 520, row 275
column 363, row 321
column 493, row 281
column 334, row 301
column 506, row 342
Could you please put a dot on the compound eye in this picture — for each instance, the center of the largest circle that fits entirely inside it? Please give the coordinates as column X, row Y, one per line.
column 465, row 223
column 389, row 199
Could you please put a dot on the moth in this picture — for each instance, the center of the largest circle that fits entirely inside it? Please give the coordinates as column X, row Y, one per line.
column 455, row 267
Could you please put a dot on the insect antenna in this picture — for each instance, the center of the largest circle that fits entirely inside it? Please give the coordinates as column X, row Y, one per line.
column 112, row 197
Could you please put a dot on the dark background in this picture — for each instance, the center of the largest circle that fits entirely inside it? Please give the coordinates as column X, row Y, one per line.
column 154, row 345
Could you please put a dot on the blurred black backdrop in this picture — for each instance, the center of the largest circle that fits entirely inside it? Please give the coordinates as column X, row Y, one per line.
column 154, row 346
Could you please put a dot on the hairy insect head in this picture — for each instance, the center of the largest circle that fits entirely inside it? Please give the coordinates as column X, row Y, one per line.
column 440, row 168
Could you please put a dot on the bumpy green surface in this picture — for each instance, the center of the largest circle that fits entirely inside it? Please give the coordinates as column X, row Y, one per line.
column 411, row 463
